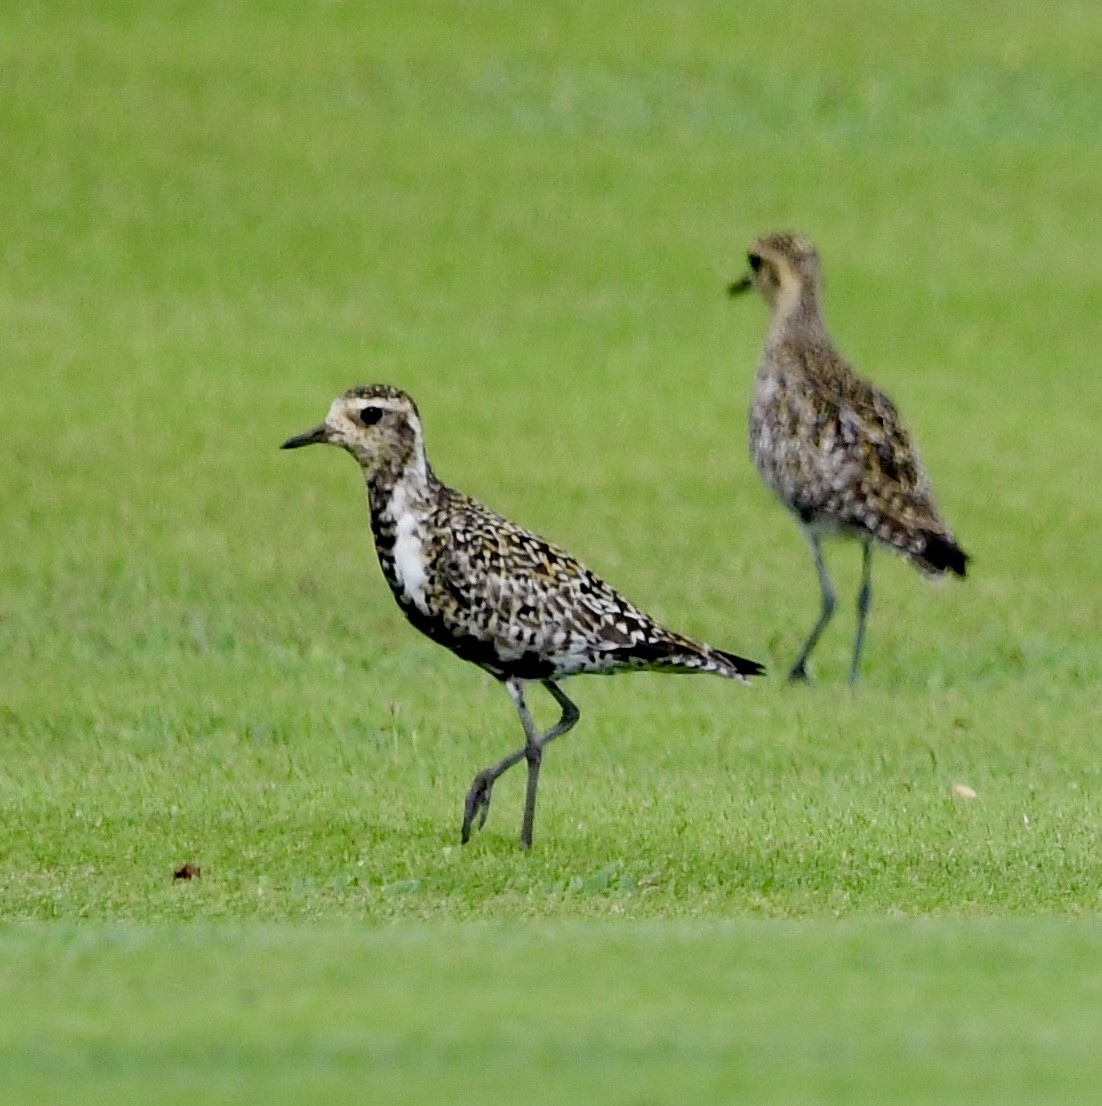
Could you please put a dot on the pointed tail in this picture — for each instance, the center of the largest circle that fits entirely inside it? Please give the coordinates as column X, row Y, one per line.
column 675, row 653
column 940, row 553
column 930, row 547
column 738, row 668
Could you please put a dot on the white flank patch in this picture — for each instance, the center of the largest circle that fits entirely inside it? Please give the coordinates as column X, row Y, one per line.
column 409, row 554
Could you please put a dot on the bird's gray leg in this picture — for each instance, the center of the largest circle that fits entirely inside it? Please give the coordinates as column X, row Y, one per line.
column 864, row 601
column 534, row 749
column 799, row 669
column 478, row 797
column 477, row 804
column 570, row 713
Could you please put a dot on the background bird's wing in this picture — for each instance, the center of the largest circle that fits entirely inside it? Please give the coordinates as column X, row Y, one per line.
column 872, row 427
column 865, row 454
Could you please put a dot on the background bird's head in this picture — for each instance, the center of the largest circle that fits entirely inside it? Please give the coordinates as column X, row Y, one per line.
column 378, row 424
column 783, row 267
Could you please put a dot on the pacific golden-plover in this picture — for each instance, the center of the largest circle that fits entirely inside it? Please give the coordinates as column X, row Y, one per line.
column 831, row 445
column 493, row 593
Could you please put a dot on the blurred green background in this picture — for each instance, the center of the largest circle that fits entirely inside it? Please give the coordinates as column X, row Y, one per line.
column 216, row 216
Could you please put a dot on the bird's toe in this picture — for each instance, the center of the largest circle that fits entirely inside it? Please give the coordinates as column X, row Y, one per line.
column 477, row 805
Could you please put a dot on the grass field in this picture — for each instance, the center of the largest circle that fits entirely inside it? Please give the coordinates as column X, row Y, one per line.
column 219, row 216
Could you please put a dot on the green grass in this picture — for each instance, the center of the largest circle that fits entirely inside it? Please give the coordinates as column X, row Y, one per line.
column 701, row 1012
column 217, row 217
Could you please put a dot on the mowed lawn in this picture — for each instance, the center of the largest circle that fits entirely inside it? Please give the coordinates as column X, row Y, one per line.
column 553, row 1012
column 217, row 217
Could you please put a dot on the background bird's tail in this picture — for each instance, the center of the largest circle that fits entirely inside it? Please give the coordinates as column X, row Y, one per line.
column 926, row 543
column 940, row 553
column 906, row 519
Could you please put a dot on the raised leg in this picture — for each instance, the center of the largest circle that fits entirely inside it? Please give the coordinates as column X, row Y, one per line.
column 477, row 805
column 799, row 669
column 864, row 601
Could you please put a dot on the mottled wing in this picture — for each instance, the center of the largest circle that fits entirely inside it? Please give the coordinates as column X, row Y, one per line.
column 528, row 598
column 872, row 432
column 850, row 456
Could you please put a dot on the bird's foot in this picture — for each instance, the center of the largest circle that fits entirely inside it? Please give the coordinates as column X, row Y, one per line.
column 799, row 674
column 477, row 805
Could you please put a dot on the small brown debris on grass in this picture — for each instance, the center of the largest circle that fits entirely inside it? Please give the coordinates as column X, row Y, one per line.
column 963, row 791
column 187, row 871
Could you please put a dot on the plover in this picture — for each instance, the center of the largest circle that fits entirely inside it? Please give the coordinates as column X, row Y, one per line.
column 829, row 444
column 490, row 591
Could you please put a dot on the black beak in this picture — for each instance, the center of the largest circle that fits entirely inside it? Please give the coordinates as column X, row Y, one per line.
column 738, row 286
column 311, row 437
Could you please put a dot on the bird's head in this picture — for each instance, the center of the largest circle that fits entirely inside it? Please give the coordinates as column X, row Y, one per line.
column 378, row 424
column 783, row 267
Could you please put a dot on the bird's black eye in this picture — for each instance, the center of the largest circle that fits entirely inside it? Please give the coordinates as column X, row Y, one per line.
column 369, row 416
column 755, row 261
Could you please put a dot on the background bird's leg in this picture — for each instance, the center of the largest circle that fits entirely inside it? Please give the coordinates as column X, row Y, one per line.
column 864, row 601
column 799, row 669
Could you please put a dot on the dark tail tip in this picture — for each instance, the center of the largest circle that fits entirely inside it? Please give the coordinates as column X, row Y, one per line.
column 742, row 665
column 942, row 554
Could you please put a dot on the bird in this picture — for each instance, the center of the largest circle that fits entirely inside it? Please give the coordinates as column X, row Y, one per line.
column 495, row 594
column 830, row 444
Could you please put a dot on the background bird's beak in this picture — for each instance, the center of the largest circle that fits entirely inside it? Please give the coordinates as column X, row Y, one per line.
column 737, row 286
column 311, row 437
